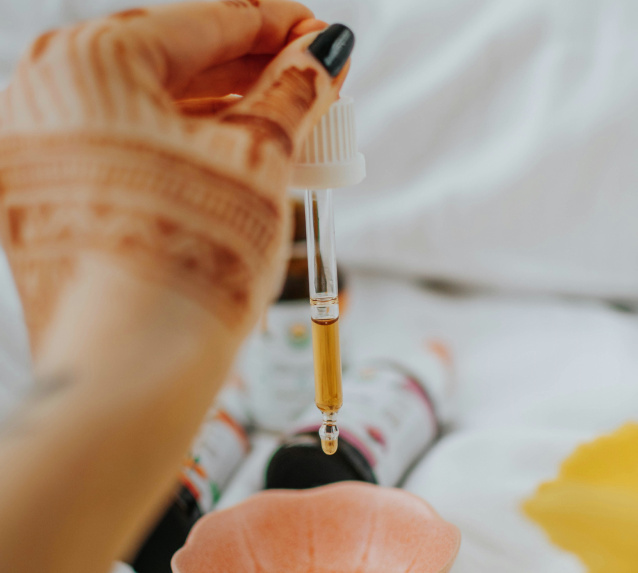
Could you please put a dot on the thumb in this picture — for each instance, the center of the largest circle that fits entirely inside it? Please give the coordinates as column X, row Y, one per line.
column 295, row 90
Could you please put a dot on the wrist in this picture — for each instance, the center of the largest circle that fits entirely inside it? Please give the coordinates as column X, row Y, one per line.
column 162, row 216
column 115, row 330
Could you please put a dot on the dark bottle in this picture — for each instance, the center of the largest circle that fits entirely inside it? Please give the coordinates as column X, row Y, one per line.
column 168, row 535
column 217, row 452
column 300, row 464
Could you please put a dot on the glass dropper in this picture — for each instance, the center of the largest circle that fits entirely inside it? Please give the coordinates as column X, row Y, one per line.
column 328, row 159
column 324, row 312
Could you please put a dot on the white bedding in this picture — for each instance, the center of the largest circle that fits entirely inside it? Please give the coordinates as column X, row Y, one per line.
column 535, row 377
column 500, row 137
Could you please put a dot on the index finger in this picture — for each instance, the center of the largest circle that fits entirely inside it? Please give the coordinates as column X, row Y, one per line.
column 191, row 37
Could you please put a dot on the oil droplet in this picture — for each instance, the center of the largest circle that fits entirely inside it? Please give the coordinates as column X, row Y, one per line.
column 329, row 447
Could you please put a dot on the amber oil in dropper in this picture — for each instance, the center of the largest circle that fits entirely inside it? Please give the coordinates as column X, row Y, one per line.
column 324, row 312
column 327, row 363
column 327, row 356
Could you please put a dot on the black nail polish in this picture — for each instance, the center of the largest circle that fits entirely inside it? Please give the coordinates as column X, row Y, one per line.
column 333, row 47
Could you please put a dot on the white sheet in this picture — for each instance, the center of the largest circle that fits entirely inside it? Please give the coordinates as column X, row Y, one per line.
column 500, row 136
column 478, row 480
column 535, row 377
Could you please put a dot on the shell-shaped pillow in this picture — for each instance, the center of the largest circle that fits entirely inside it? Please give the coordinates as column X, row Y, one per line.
column 347, row 527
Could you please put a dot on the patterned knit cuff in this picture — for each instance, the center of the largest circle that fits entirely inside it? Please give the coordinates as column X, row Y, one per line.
column 161, row 214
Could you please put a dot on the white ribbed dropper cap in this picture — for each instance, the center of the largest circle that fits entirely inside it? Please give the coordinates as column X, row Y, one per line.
column 329, row 157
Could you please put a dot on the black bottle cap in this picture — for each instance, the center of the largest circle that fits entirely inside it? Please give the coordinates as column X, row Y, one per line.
column 168, row 535
column 301, row 464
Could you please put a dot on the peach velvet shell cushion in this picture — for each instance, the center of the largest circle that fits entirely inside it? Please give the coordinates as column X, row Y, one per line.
column 348, row 527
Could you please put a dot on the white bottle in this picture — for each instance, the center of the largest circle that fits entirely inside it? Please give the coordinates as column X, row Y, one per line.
column 387, row 421
column 219, row 449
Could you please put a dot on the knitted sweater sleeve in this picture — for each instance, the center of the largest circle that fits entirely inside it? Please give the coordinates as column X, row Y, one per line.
column 95, row 158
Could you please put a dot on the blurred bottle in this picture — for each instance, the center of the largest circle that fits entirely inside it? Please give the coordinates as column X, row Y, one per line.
column 387, row 422
column 215, row 456
column 278, row 360
column 218, row 450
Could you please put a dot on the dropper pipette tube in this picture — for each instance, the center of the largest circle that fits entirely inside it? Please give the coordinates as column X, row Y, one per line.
column 324, row 305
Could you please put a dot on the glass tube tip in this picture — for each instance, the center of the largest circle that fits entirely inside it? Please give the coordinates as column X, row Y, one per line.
column 329, row 433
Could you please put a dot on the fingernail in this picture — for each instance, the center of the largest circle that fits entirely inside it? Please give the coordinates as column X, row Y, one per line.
column 333, row 47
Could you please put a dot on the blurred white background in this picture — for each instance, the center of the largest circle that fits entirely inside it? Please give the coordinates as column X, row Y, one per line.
column 500, row 136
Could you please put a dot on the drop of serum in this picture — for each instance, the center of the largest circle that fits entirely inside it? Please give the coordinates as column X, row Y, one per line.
column 329, row 446
column 329, row 434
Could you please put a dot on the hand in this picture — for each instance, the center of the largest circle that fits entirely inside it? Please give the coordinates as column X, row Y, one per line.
column 96, row 160
column 145, row 238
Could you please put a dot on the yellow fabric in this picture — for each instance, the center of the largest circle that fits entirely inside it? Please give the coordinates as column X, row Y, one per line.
column 591, row 508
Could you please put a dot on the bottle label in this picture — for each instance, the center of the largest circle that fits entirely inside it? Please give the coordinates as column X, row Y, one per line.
column 219, row 449
column 278, row 366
